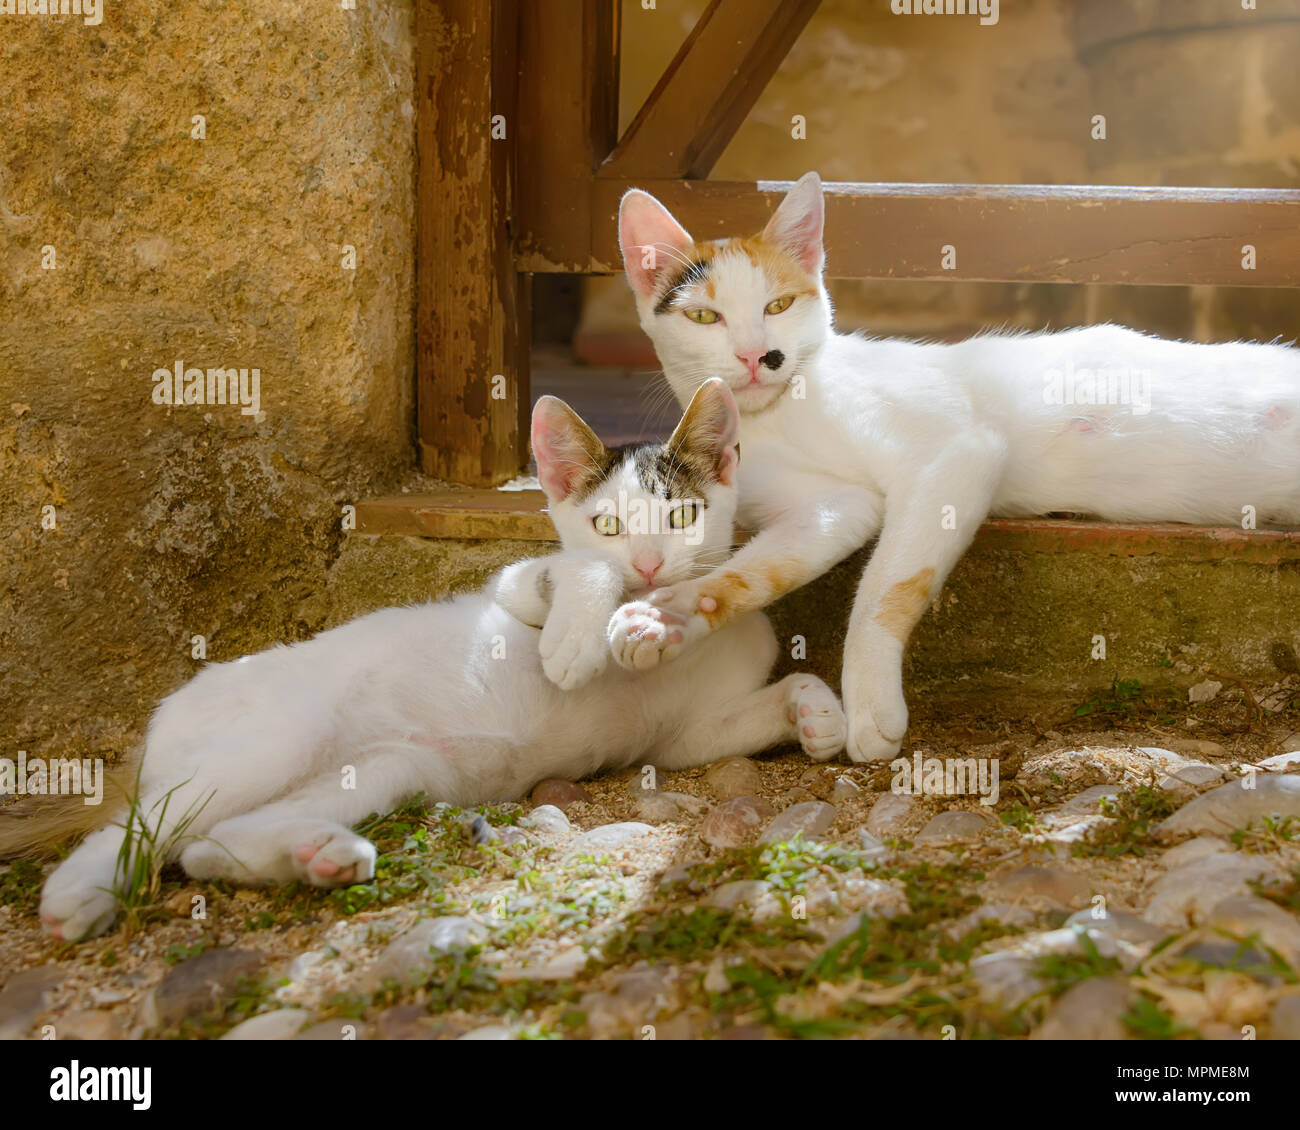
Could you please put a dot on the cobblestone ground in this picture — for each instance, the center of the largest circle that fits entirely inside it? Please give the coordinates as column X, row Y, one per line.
column 1135, row 873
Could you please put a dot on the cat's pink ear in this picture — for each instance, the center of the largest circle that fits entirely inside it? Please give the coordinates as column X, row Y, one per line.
column 649, row 238
column 797, row 223
column 710, row 428
column 569, row 455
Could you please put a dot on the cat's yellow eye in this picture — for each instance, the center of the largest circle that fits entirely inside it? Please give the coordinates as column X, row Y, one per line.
column 704, row 317
column 778, row 304
column 683, row 516
column 607, row 524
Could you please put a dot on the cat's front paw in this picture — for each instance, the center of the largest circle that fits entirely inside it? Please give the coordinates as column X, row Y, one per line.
column 872, row 735
column 572, row 654
column 641, row 635
column 819, row 717
column 74, row 912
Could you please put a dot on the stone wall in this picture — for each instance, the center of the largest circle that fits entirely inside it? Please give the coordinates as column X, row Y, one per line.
column 171, row 522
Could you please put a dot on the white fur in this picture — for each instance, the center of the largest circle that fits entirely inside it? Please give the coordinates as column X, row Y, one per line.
column 853, row 437
column 466, row 701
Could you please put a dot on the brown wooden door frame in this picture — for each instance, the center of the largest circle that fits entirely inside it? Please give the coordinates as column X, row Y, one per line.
column 544, row 198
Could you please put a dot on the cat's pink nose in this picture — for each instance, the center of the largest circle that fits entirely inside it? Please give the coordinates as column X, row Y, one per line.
column 648, row 567
column 751, row 358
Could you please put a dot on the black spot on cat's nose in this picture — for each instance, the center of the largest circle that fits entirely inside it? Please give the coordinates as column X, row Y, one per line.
column 773, row 359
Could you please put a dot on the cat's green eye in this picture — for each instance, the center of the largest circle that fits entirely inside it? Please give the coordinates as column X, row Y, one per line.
column 607, row 524
column 778, row 304
column 683, row 516
column 704, row 317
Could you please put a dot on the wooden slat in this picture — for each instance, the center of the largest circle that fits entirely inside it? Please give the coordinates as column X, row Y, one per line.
column 478, row 514
column 1002, row 233
column 568, row 122
column 472, row 305
column 710, row 86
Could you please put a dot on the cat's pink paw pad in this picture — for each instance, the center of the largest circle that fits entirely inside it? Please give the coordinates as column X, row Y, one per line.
column 822, row 729
column 339, row 858
column 642, row 635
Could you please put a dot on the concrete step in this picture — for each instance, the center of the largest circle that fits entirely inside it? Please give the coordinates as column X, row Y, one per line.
column 1036, row 617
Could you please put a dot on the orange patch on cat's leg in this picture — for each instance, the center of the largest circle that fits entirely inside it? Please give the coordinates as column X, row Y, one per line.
column 904, row 604
column 733, row 594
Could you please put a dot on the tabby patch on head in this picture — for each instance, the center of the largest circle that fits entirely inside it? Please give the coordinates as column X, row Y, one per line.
column 664, row 510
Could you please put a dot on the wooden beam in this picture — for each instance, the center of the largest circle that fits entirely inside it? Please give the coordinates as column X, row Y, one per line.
column 568, row 111
column 1002, row 233
column 472, row 317
column 708, row 89
column 514, row 515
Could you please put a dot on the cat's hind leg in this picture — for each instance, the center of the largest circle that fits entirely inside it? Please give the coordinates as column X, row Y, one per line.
column 307, row 835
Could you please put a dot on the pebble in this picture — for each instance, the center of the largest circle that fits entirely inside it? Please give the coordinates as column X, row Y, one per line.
column 845, row 789
column 411, row 957
column 742, row 892
column 871, row 846
column 876, row 897
column 957, row 824
column 794, row 796
column 1009, row 977
column 488, row 1032
column 1196, row 747
column 1122, row 925
column 1089, row 801
column 733, row 777
column 680, row 875
column 282, row 1024
column 548, row 819
column 735, row 820
column 658, row 808
column 610, row 837
column 889, row 813
column 1244, row 915
column 1188, row 893
column 1287, row 760
column 1091, row 1010
column 1004, row 912
column 819, row 781
column 337, row 1029
column 24, row 997
column 558, row 793
column 809, row 820
column 1195, row 849
column 407, row 1022
column 1193, row 774
column 637, row 999
column 563, row 966
column 1284, row 1020
column 199, row 985
column 89, row 1025
column 1038, row 886
column 1203, row 691
column 1234, row 806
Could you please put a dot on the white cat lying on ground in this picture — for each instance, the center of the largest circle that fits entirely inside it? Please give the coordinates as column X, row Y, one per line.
column 466, row 700
column 846, row 437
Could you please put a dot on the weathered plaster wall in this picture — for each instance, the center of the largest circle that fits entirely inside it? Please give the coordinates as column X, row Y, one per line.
column 173, row 522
